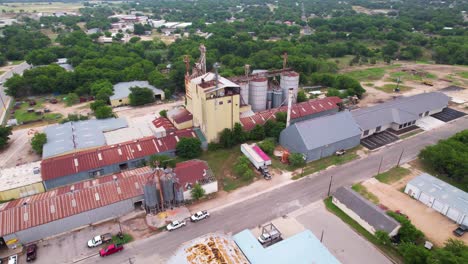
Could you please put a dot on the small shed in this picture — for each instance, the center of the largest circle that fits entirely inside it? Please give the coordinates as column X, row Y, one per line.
column 367, row 214
column 122, row 91
column 440, row 196
column 321, row 137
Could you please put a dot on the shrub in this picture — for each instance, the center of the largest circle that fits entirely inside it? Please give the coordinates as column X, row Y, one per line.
column 38, row 141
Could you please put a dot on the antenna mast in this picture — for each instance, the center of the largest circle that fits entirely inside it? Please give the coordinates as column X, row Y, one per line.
column 187, row 65
column 285, row 59
column 202, row 59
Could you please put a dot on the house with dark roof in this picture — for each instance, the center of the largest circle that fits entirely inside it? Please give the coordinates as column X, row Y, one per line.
column 399, row 113
column 322, row 136
column 367, row 214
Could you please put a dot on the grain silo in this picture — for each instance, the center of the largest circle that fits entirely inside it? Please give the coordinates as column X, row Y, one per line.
column 258, row 93
column 269, row 98
column 167, row 185
column 277, row 98
column 244, row 92
column 151, row 196
column 289, row 80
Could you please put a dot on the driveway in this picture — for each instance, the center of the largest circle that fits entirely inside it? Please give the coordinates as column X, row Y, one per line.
column 428, row 123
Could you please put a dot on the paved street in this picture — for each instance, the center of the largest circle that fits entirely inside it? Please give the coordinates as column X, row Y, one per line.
column 266, row 206
column 4, row 99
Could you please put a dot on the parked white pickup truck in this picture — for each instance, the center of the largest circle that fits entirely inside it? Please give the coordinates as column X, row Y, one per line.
column 200, row 215
column 99, row 240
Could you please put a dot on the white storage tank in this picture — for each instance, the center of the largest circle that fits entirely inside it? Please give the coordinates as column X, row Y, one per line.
column 258, row 93
column 290, row 80
column 244, row 92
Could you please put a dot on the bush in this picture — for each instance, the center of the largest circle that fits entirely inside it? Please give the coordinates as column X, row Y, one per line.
column 257, row 133
column 383, row 237
column 268, row 146
column 38, row 141
column 96, row 104
column 74, row 118
column 71, row 99
column 197, row 191
column 163, row 161
column 226, row 138
column 296, row 159
column 104, row 112
column 5, row 133
column 243, row 170
column 301, row 96
column 163, row 113
column 408, row 232
column 214, row 146
column 189, row 148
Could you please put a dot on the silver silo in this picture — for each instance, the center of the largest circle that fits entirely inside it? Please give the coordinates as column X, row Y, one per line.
column 244, row 92
column 151, row 196
column 167, row 186
column 258, row 94
column 269, row 98
column 277, row 98
column 289, row 80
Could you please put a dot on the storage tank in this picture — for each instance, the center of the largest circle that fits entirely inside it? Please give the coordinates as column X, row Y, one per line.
column 290, row 80
column 167, row 186
column 258, row 93
column 269, row 99
column 151, row 196
column 244, row 92
column 277, row 98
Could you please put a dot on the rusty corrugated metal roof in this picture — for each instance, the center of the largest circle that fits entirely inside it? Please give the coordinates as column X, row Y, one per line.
column 93, row 159
column 298, row 110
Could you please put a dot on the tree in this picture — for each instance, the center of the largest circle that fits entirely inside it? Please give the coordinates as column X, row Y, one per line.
column 134, row 39
column 103, row 112
column 163, row 113
column 226, row 138
column 301, row 96
column 189, row 148
column 382, row 237
column 238, row 134
column 268, row 146
column 141, row 96
column 163, row 161
column 296, row 159
column 242, row 169
column 97, row 104
column 71, row 99
column 138, row 29
column 281, row 117
column 390, row 49
column 413, row 254
column 197, row 191
column 407, row 232
column 5, row 133
column 38, row 141
column 257, row 133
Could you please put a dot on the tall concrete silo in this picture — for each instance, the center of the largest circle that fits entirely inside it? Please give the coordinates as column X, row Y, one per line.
column 244, row 92
column 290, row 80
column 258, row 93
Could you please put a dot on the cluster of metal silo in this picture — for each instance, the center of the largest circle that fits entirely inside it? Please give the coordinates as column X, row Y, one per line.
column 152, row 196
column 167, row 196
column 258, row 89
column 244, row 92
column 171, row 195
column 289, row 80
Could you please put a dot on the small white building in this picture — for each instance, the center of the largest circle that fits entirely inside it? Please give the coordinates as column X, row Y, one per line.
column 440, row 196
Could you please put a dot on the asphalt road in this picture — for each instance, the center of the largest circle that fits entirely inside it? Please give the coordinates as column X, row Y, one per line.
column 4, row 99
column 281, row 201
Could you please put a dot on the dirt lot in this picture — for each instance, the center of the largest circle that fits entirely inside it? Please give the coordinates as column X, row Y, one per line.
column 42, row 7
column 19, row 150
column 413, row 76
column 435, row 226
column 82, row 109
column 145, row 113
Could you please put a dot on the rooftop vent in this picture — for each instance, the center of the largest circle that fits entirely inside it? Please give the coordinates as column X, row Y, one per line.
column 96, row 195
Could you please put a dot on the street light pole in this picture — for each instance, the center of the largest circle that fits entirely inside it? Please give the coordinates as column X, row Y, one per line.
column 399, row 159
column 380, row 165
column 329, row 186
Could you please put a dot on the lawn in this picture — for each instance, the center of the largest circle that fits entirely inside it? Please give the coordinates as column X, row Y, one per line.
column 412, row 133
column 342, row 62
column 406, row 76
column 463, row 74
column 391, row 252
column 16, row 62
column 362, row 190
column 221, row 162
column 367, row 74
column 393, row 175
column 127, row 238
column 390, row 88
column 326, row 162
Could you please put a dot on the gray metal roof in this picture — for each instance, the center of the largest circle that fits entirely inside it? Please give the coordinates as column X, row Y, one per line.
column 368, row 211
column 442, row 191
column 325, row 130
column 78, row 135
column 122, row 89
column 400, row 110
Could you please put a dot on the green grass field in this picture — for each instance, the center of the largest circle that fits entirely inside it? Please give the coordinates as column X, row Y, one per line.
column 463, row 74
column 390, row 87
column 42, row 7
column 370, row 74
column 393, row 175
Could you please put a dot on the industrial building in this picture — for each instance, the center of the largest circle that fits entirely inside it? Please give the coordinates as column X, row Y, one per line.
column 80, row 135
column 440, row 196
column 20, row 181
column 367, row 214
column 83, row 165
column 321, row 137
column 122, row 91
column 399, row 113
column 180, row 117
column 302, row 248
column 54, row 212
column 216, row 103
column 299, row 112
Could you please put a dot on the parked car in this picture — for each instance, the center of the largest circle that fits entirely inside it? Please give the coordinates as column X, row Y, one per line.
column 267, row 237
column 340, row 152
column 13, row 259
column 53, row 101
column 265, row 172
column 461, row 229
column 98, row 240
column 200, row 215
column 31, row 252
column 110, row 249
column 175, row 225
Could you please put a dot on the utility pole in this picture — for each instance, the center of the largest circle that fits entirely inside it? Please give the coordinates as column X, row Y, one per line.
column 304, row 156
column 329, row 186
column 321, row 237
column 380, row 165
column 399, row 159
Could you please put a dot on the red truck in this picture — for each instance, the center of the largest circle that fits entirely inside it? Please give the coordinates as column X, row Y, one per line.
column 111, row 249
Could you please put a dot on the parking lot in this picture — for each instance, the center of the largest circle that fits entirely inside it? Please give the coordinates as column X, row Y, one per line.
column 378, row 140
column 448, row 114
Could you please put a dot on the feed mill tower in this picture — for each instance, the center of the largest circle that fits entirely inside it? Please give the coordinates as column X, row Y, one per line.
column 216, row 102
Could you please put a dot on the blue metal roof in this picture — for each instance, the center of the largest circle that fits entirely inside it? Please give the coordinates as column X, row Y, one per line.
column 302, row 248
